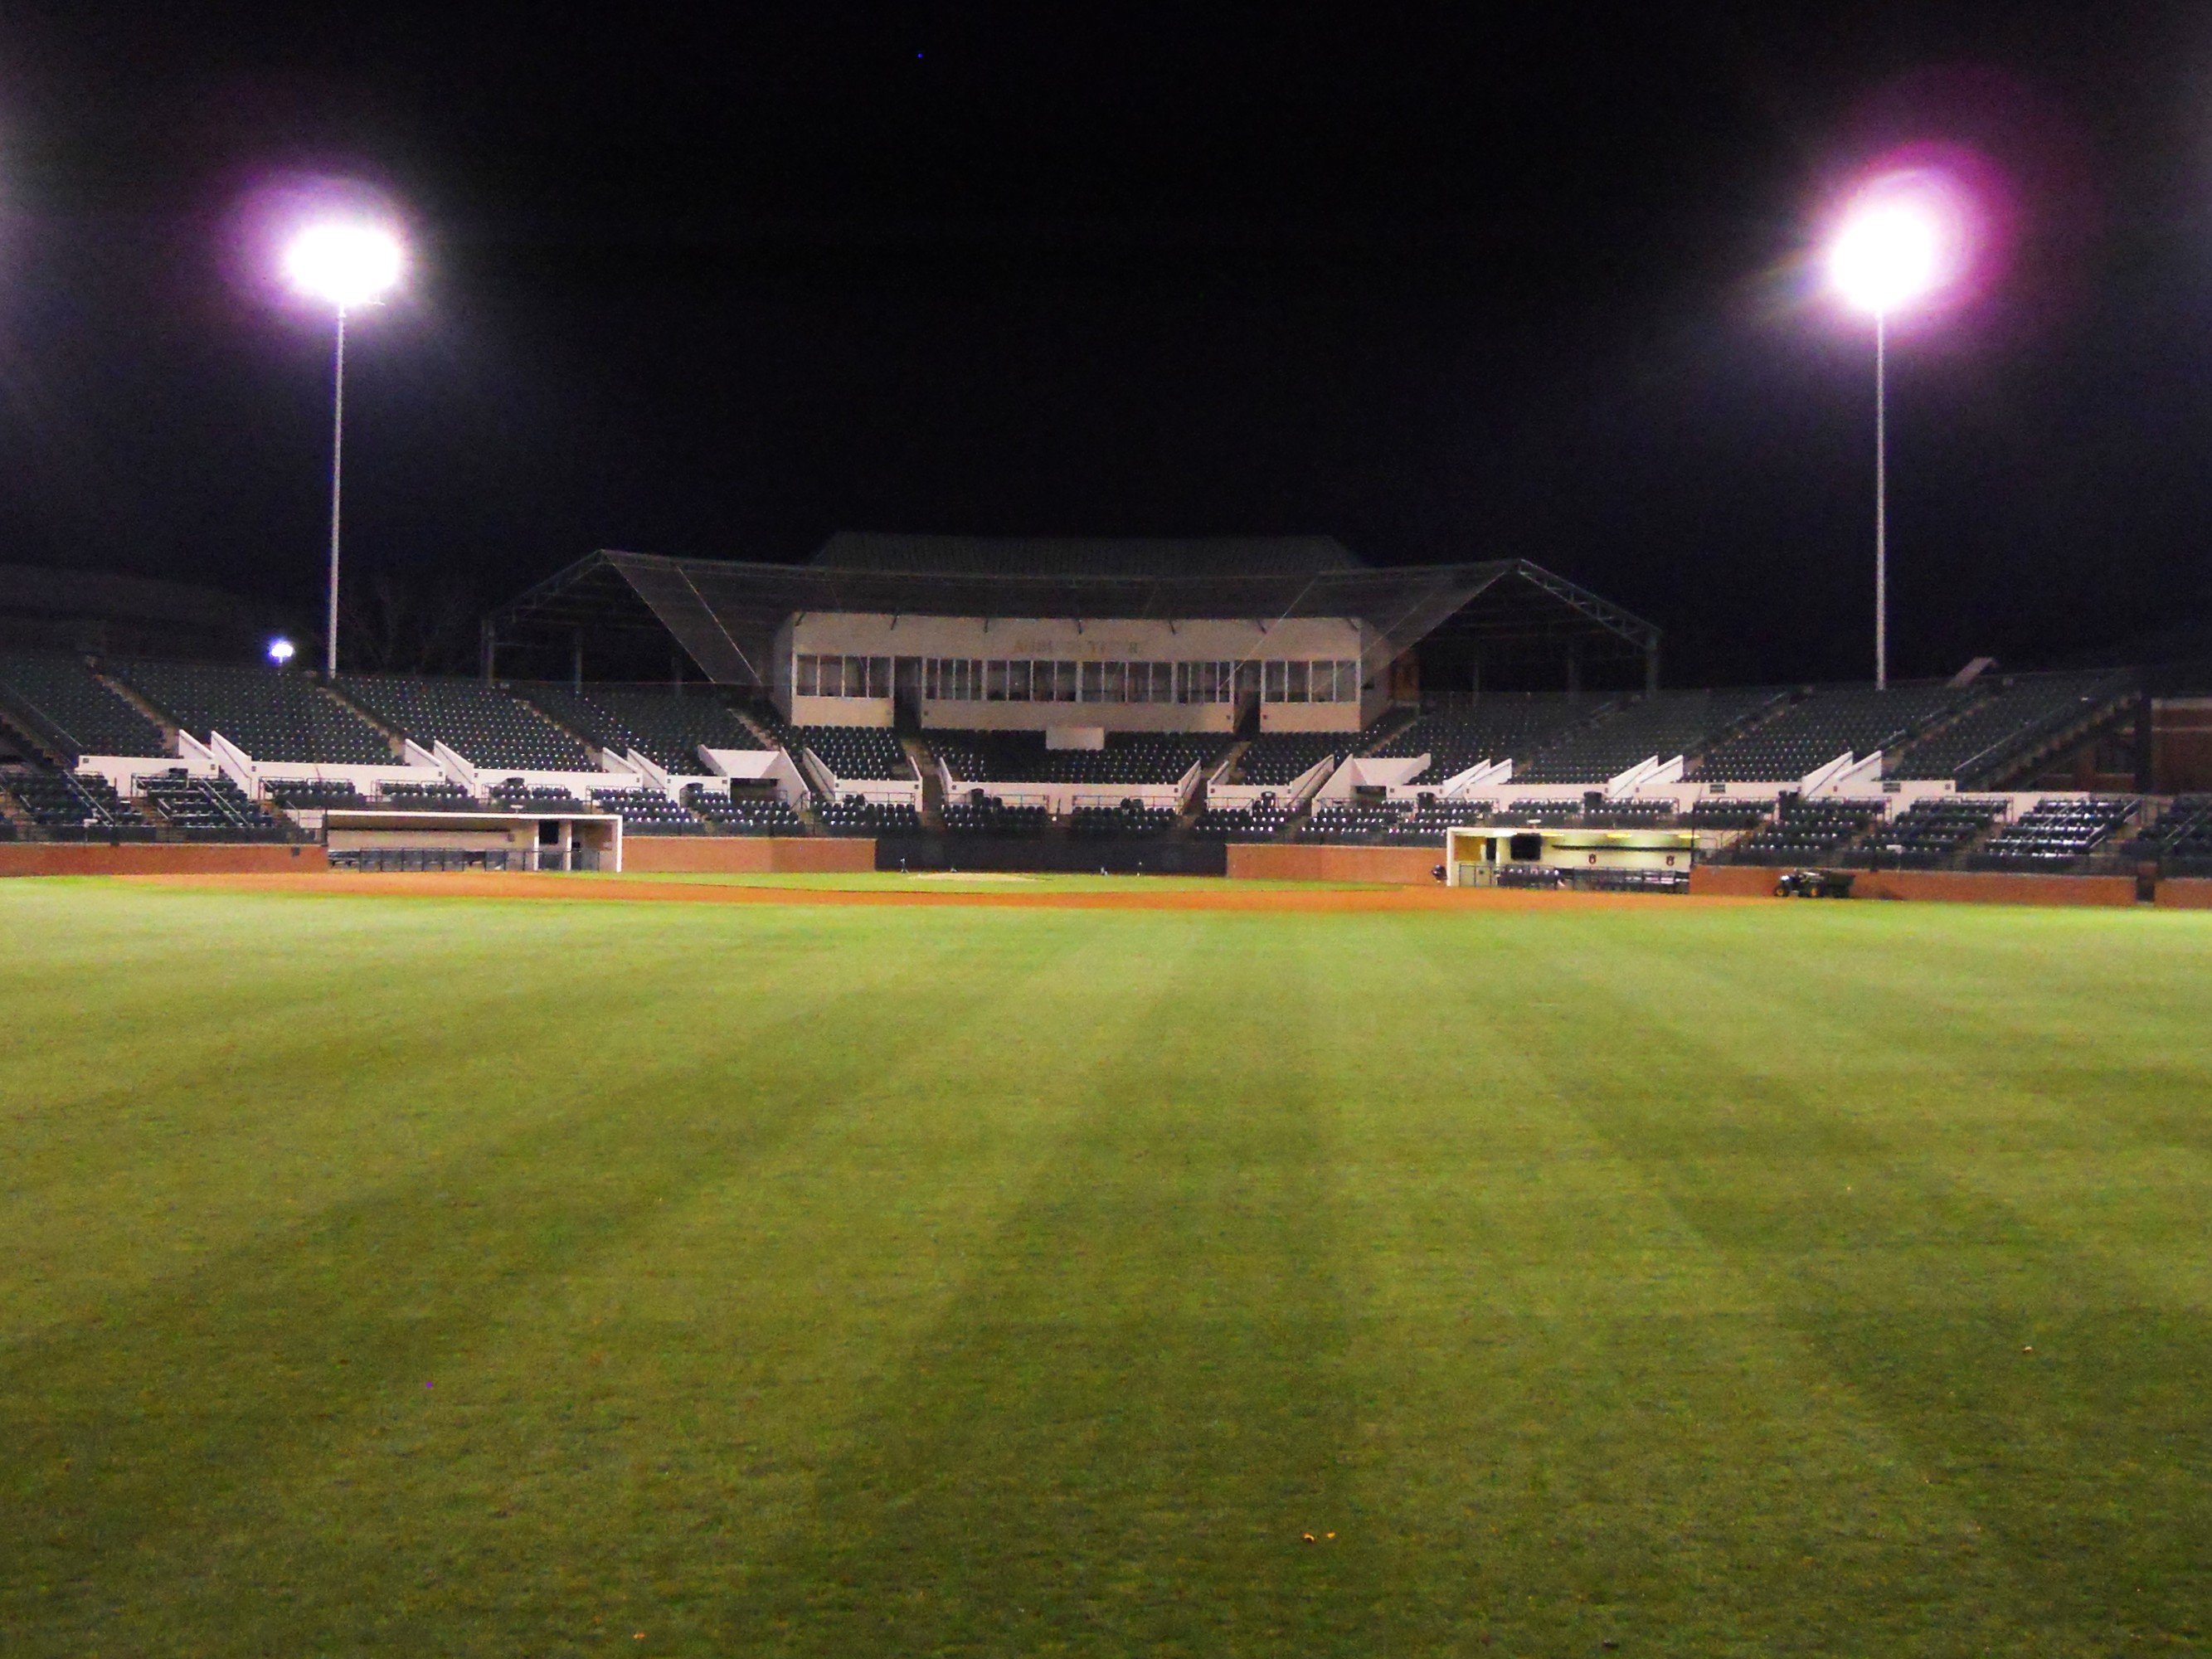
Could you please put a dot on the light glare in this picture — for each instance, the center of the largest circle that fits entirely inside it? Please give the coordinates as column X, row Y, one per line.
column 344, row 265
column 1900, row 240
column 280, row 652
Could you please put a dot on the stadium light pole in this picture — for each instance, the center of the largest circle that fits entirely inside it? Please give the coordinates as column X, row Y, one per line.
column 347, row 264
column 1888, row 255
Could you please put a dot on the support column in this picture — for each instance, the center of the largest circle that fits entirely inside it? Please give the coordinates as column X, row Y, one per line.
column 576, row 662
column 487, row 649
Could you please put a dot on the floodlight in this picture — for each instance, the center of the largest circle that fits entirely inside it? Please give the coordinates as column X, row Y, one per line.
column 1888, row 255
column 344, row 263
column 280, row 651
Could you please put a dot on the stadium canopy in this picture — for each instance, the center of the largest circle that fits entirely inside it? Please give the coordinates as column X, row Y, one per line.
column 724, row 614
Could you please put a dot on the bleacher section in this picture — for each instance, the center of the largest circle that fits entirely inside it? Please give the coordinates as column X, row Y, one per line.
column 2020, row 714
column 856, row 751
column 484, row 725
column 69, row 704
column 994, row 817
column 727, row 815
column 1129, row 757
column 1279, row 757
column 2182, row 838
column 71, row 806
column 315, row 794
column 1341, row 822
column 2056, row 833
column 1670, row 724
column 1714, row 814
column 1931, row 831
column 271, row 714
column 513, row 795
column 646, row 812
column 1495, row 728
column 441, row 796
column 666, row 729
column 1811, row 733
column 856, row 816
column 1130, row 818
column 1261, row 821
column 1806, row 831
column 206, row 808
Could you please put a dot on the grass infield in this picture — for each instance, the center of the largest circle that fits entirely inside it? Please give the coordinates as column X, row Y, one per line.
column 501, row 1278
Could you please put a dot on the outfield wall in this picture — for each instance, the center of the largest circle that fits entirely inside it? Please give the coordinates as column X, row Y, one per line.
column 1942, row 886
column 747, row 854
column 1407, row 866
column 72, row 857
column 2186, row 893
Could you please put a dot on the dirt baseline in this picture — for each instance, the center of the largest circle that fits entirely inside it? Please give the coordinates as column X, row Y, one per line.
column 568, row 889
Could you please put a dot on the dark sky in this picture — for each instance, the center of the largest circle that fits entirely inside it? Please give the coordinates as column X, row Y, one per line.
column 1446, row 281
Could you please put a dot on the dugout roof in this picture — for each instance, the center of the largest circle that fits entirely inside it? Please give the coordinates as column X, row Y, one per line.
column 724, row 614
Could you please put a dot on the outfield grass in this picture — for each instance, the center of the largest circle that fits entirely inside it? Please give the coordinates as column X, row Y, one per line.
column 466, row 1278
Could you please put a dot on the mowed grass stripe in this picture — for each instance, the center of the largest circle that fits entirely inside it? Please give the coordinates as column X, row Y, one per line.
column 269, row 1350
column 683, row 1393
column 1924, row 1278
column 1120, row 1437
column 1586, row 1425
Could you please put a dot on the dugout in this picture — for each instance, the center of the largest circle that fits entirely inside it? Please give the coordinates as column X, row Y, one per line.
column 378, row 839
column 1507, row 855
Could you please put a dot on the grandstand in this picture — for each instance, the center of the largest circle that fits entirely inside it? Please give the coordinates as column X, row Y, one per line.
column 1855, row 719
column 63, row 705
column 271, row 714
column 489, row 725
column 668, row 729
column 1667, row 726
column 1494, row 728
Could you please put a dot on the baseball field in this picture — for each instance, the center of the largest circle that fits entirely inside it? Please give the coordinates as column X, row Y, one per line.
column 418, row 1269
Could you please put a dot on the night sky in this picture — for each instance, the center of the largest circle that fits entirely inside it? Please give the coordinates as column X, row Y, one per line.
column 1444, row 282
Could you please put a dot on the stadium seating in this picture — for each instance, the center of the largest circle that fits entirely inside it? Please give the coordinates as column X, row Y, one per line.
column 1669, row 724
column 666, row 729
column 1494, row 728
column 1338, row 821
column 1932, row 831
column 646, row 812
column 2056, row 833
column 485, row 725
column 1805, row 831
column 1535, row 810
column 1428, row 821
column 724, row 814
column 990, row 816
column 313, row 795
column 73, row 804
column 857, row 751
column 1807, row 735
column 1629, row 814
column 1128, row 757
column 69, row 704
column 1131, row 817
column 426, row 797
column 1714, row 813
column 2020, row 713
column 1261, row 821
column 204, row 808
column 271, row 714
column 513, row 795
column 855, row 816
column 2182, row 838
column 1277, row 757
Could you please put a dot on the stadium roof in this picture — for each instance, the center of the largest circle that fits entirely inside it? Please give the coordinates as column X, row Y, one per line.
column 1085, row 555
column 725, row 614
